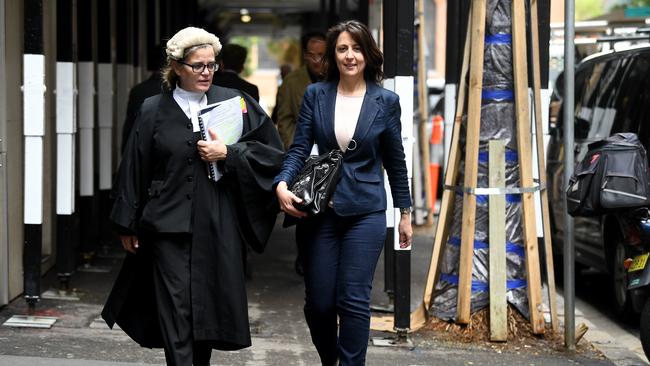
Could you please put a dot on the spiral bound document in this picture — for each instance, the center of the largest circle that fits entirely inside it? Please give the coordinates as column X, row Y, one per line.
column 212, row 167
column 226, row 120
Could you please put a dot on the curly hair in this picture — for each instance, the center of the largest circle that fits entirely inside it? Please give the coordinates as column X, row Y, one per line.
column 169, row 76
column 183, row 43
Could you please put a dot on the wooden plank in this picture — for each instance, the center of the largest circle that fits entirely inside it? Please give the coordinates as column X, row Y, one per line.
column 419, row 316
column 423, row 108
column 520, row 69
column 497, row 235
column 477, row 31
column 541, row 163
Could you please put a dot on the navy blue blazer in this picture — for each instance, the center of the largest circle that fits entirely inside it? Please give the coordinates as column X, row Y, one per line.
column 379, row 141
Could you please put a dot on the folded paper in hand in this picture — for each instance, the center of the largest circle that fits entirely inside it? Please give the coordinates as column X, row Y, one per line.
column 226, row 120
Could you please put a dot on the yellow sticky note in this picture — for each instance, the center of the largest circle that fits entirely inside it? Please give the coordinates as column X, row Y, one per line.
column 243, row 105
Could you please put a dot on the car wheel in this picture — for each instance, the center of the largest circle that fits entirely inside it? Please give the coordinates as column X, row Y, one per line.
column 622, row 300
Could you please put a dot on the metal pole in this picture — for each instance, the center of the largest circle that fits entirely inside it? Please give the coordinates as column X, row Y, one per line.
column 4, row 195
column 404, row 88
column 390, row 67
column 34, row 131
column 123, row 68
column 105, row 119
column 88, row 213
column 568, row 104
column 66, row 83
column 398, row 64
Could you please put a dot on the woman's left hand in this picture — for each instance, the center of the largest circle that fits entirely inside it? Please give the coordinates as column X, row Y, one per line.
column 405, row 231
column 212, row 150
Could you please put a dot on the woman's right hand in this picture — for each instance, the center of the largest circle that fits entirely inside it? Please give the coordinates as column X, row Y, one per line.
column 287, row 199
column 129, row 242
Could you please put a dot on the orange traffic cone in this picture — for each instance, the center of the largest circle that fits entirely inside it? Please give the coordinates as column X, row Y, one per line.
column 435, row 157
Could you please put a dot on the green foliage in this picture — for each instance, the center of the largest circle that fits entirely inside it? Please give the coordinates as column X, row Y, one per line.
column 587, row 9
column 636, row 3
column 285, row 51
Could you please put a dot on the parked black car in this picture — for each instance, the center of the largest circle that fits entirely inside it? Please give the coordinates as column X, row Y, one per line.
column 612, row 94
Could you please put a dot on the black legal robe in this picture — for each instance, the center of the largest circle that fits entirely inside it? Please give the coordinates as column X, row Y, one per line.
column 163, row 187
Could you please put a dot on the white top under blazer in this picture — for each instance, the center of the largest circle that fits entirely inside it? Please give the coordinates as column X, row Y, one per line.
column 346, row 116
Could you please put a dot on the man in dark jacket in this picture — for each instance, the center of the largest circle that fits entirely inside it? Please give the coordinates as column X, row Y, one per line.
column 233, row 58
column 144, row 90
column 290, row 95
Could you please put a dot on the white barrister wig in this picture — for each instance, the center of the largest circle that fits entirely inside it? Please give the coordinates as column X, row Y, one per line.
column 190, row 37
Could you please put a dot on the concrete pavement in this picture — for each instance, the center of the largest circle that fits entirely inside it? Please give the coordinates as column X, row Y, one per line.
column 280, row 335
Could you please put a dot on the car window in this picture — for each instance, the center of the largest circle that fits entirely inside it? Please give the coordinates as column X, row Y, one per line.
column 595, row 113
column 585, row 86
column 633, row 104
column 604, row 113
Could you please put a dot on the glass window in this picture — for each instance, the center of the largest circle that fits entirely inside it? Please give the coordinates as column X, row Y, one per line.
column 604, row 114
column 633, row 98
column 584, row 87
column 595, row 89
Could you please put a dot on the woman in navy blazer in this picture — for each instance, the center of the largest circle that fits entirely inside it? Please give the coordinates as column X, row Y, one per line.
column 351, row 112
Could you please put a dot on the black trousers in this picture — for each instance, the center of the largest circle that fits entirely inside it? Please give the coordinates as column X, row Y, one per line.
column 172, row 258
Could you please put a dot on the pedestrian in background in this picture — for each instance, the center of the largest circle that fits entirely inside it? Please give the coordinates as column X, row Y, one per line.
column 290, row 95
column 351, row 112
column 295, row 83
column 232, row 60
column 150, row 87
column 285, row 69
column 182, row 283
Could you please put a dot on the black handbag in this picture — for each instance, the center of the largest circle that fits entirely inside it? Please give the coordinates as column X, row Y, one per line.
column 316, row 181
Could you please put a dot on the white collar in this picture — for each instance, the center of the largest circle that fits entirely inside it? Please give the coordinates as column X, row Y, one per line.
column 188, row 95
column 190, row 103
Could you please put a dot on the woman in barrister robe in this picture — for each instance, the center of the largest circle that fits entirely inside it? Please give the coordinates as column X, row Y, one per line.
column 182, row 285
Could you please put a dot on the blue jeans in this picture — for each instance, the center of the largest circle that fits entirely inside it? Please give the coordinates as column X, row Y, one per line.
column 340, row 256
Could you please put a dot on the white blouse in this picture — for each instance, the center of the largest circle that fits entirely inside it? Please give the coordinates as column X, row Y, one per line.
column 190, row 103
column 346, row 116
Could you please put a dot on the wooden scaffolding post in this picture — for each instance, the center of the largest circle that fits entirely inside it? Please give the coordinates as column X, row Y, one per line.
column 497, row 235
column 520, row 70
column 541, row 163
column 423, row 109
column 477, row 31
column 419, row 316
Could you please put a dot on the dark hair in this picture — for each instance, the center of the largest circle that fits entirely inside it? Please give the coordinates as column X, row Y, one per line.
column 371, row 53
column 307, row 37
column 233, row 56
